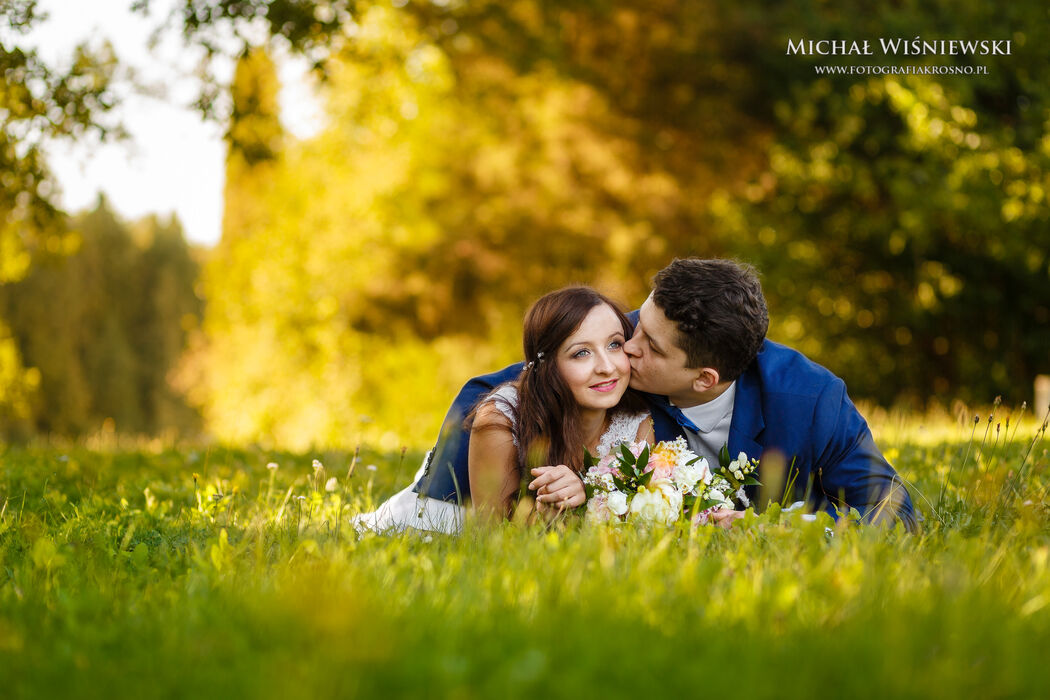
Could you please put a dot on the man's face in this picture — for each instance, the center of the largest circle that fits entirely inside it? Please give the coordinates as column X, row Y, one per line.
column 657, row 363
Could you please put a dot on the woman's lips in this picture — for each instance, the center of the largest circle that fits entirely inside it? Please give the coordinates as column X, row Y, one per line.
column 606, row 386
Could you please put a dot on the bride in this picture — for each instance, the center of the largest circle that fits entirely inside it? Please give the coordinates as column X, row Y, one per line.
column 571, row 394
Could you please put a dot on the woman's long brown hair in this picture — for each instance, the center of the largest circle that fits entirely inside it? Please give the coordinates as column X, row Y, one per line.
column 548, row 429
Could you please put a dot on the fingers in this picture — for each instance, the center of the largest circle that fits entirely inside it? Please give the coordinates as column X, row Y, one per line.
column 562, row 493
column 545, row 476
column 725, row 518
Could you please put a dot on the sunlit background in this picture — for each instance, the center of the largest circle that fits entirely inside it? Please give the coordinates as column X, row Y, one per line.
column 367, row 196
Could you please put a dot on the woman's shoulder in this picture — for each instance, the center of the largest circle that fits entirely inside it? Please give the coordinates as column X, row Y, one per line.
column 498, row 409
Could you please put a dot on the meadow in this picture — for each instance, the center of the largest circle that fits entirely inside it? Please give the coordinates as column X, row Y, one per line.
column 144, row 570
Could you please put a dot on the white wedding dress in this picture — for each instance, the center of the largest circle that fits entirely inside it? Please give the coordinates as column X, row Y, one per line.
column 408, row 510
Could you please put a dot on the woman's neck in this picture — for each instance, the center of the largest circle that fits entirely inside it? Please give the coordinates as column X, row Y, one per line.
column 592, row 422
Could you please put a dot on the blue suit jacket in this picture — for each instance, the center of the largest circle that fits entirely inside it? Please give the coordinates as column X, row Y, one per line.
column 788, row 410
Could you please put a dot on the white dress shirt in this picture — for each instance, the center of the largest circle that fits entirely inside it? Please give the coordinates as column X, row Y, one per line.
column 713, row 420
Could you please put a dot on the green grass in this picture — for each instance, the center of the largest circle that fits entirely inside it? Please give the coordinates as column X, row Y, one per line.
column 122, row 577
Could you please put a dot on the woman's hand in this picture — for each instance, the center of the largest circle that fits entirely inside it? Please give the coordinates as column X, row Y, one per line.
column 557, row 487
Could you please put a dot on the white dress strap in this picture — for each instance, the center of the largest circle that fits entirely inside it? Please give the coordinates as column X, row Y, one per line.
column 505, row 399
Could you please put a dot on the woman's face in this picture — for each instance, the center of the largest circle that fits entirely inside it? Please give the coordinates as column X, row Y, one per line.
column 592, row 361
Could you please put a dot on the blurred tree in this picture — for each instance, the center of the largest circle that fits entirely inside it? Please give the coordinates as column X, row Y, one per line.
column 38, row 102
column 104, row 324
column 482, row 153
column 901, row 220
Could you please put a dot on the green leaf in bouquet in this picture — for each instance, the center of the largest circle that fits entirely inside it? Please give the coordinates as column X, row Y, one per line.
column 707, row 503
column 643, row 459
column 628, row 471
column 628, row 456
column 621, row 485
column 751, row 481
column 589, row 460
column 588, row 490
column 644, row 479
column 723, row 457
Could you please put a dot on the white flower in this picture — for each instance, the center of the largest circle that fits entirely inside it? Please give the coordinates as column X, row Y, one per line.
column 742, row 497
column 331, row 485
column 659, row 503
column 272, row 466
column 617, row 503
column 317, row 465
column 686, row 476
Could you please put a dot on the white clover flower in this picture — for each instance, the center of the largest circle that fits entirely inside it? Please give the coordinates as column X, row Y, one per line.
column 659, row 503
column 617, row 503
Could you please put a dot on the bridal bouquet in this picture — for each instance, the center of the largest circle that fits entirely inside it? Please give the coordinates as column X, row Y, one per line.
column 663, row 484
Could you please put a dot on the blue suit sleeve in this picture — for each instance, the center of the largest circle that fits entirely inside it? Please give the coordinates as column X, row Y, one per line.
column 851, row 471
column 446, row 477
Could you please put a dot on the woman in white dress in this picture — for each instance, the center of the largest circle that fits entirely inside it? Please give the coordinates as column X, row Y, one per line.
column 529, row 435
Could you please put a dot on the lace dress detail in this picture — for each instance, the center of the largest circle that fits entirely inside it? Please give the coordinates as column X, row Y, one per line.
column 622, row 428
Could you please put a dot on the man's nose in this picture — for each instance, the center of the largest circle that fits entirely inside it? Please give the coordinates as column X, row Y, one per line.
column 631, row 348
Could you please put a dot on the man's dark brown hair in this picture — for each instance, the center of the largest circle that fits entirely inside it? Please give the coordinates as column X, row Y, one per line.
column 719, row 310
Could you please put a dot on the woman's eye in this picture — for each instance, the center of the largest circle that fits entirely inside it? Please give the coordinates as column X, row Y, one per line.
column 616, row 344
column 580, row 353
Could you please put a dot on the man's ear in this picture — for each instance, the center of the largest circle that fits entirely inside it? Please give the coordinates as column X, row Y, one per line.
column 706, row 378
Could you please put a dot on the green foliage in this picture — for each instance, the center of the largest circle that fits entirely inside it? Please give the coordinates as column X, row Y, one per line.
column 199, row 572
column 480, row 154
column 40, row 102
column 102, row 325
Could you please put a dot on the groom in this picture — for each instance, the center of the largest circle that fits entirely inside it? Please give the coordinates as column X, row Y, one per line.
column 700, row 355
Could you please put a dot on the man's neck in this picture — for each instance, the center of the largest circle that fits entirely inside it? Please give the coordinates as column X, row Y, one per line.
column 697, row 398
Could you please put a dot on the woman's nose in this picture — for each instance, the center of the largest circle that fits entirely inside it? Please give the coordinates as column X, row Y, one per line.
column 605, row 364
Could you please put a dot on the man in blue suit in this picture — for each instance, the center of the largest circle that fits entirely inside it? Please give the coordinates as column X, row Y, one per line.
column 700, row 355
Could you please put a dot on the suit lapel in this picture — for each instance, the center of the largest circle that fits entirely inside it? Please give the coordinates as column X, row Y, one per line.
column 748, row 422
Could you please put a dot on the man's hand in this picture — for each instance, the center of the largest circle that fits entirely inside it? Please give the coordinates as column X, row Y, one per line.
column 724, row 518
column 557, row 487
